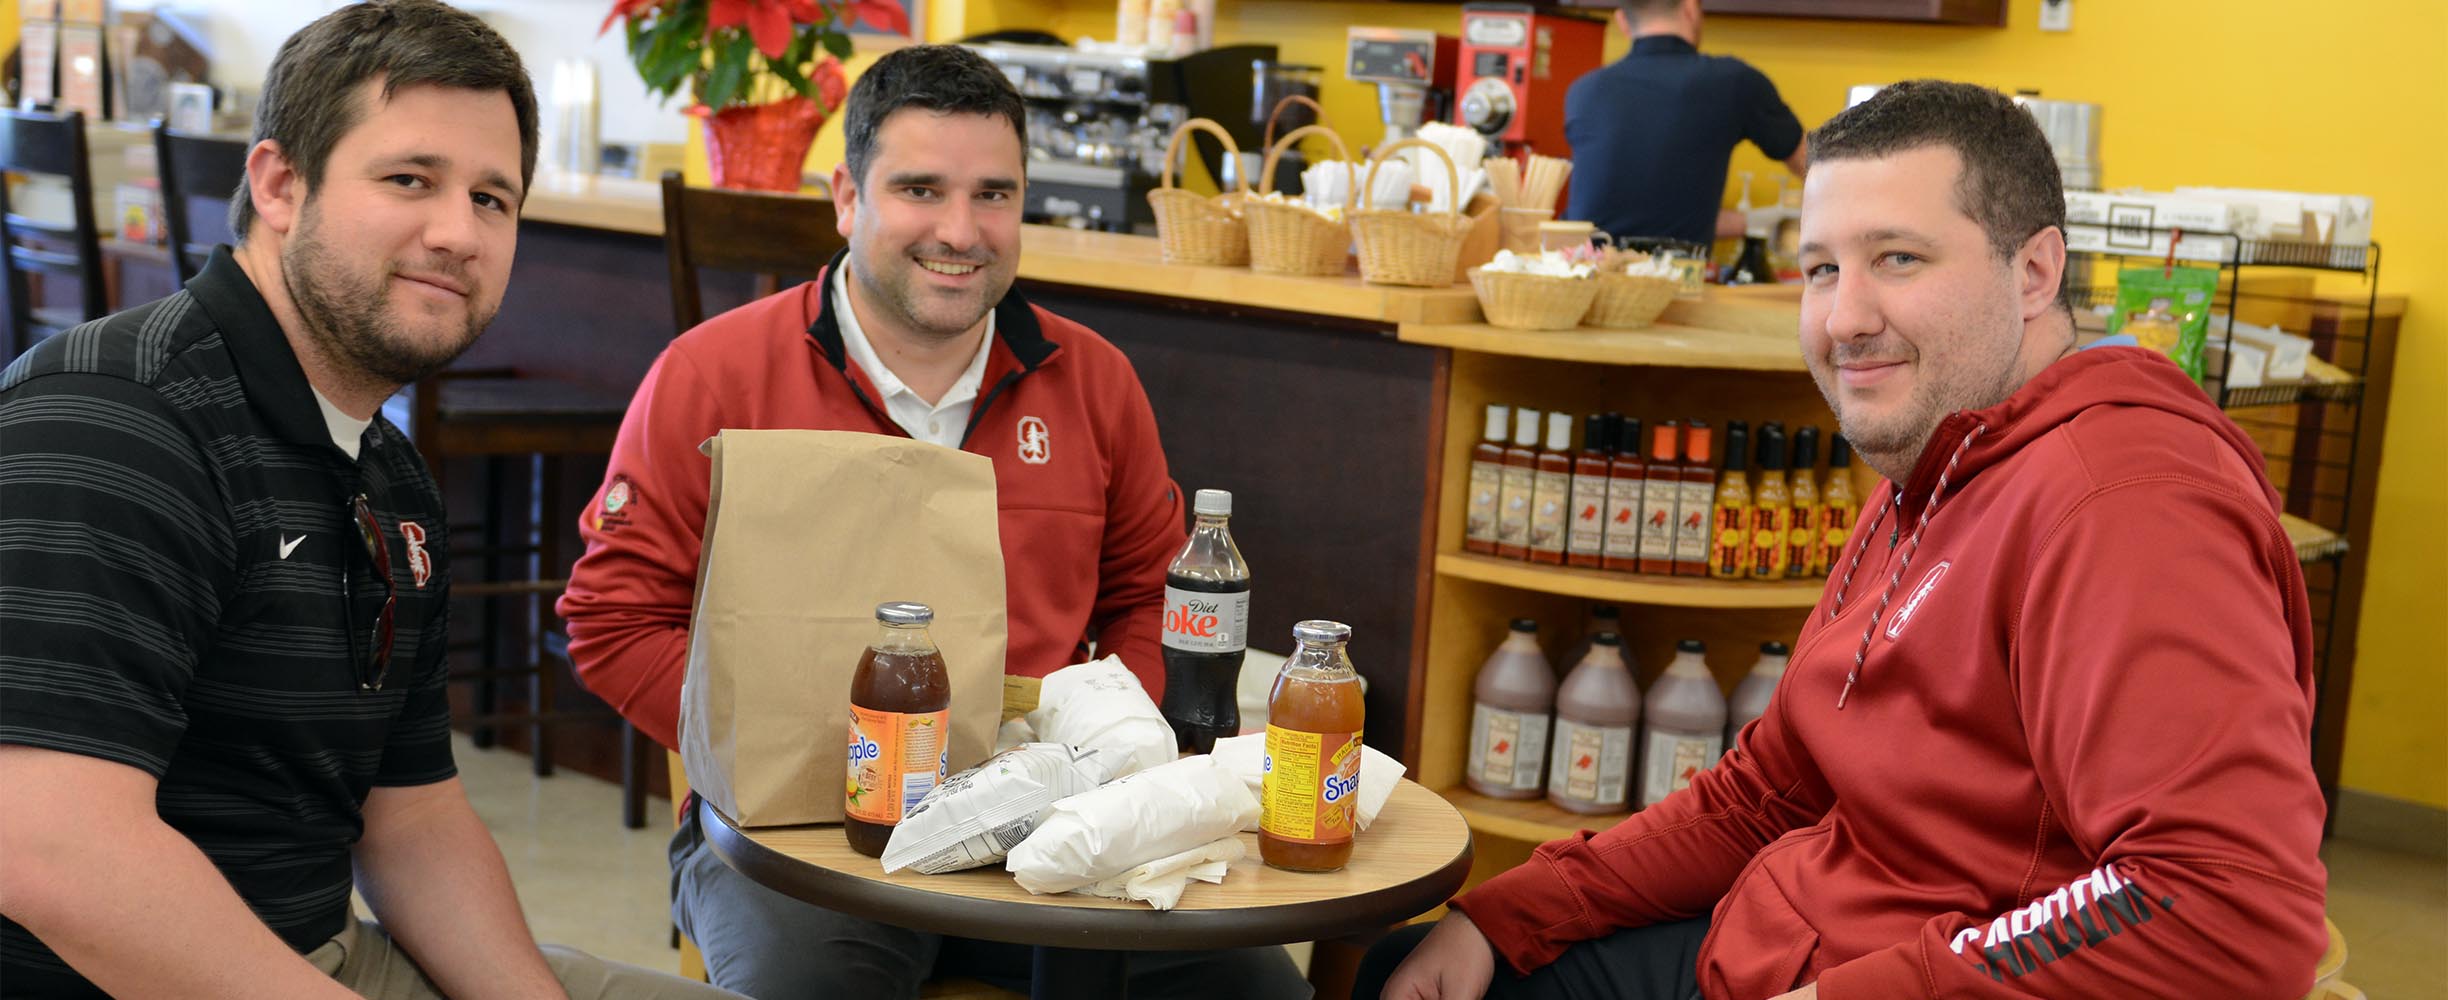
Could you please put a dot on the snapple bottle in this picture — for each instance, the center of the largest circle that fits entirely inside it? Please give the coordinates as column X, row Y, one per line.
column 1310, row 795
column 900, row 719
column 1206, row 628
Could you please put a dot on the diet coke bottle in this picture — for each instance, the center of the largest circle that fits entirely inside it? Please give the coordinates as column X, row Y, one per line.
column 1206, row 629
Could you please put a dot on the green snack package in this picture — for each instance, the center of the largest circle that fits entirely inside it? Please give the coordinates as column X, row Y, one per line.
column 2167, row 310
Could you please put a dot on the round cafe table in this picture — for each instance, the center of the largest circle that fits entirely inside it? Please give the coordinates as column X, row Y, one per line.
column 1409, row 861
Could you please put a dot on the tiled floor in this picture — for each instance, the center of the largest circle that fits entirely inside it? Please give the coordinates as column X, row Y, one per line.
column 589, row 884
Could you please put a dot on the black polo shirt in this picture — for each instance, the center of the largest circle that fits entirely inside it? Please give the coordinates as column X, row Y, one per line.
column 1651, row 133
column 179, row 575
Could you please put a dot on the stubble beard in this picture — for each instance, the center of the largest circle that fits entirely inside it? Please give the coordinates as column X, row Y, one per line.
column 349, row 316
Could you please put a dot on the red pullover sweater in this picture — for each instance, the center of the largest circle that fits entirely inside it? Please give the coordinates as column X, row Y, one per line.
column 2074, row 761
column 1089, row 514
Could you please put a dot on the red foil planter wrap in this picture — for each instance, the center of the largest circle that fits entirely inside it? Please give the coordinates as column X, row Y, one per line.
column 760, row 147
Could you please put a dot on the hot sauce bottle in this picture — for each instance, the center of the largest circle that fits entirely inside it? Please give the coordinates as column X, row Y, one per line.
column 1837, row 508
column 1659, row 489
column 1486, row 483
column 1309, row 799
column 1804, row 485
column 1728, row 541
column 1551, row 492
column 1625, row 472
column 1513, row 498
column 1692, row 503
column 1771, row 507
column 1585, row 533
column 900, row 720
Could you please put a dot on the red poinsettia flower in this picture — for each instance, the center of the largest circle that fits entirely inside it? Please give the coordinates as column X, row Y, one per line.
column 831, row 87
column 882, row 15
column 769, row 21
column 622, row 9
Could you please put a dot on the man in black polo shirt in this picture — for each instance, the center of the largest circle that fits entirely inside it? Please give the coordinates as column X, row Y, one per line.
column 1651, row 132
column 222, row 579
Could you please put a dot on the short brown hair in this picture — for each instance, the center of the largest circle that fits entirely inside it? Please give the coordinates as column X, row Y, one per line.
column 310, row 93
column 2010, row 182
column 947, row 79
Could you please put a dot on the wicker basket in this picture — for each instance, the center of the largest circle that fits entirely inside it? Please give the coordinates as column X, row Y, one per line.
column 1532, row 301
column 1288, row 237
column 1626, row 301
column 1194, row 229
column 1409, row 248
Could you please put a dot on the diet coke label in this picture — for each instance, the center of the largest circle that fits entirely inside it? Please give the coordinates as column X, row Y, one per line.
column 1197, row 621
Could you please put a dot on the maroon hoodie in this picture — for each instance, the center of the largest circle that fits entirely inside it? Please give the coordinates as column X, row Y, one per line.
column 2046, row 734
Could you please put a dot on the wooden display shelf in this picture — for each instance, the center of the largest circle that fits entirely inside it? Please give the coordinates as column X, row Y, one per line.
column 1665, row 345
column 2313, row 543
column 1628, row 588
column 1534, row 821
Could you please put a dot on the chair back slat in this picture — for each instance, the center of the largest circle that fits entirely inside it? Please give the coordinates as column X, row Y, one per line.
column 767, row 234
column 199, row 174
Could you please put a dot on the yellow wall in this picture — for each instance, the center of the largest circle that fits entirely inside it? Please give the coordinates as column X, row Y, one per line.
column 2247, row 93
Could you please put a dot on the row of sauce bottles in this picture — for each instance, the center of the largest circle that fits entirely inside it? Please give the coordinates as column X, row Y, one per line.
column 1596, row 743
column 1670, row 511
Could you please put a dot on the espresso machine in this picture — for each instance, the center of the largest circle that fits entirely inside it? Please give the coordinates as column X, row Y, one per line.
column 1098, row 122
column 1517, row 61
column 1413, row 71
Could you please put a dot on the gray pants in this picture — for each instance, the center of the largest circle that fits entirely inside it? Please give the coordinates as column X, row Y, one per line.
column 773, row 947
column 365, row 960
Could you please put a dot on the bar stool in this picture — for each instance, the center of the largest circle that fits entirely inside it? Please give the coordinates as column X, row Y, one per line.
column 764, row 234
column 499, row 417
column 70, row 244
column 199, row 174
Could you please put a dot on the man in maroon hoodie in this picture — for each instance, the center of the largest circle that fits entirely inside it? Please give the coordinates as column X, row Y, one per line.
column 2047, row 732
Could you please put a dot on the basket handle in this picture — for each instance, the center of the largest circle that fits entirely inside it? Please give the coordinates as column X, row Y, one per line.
column 1288, row 101
column 1266, row 176
column 1173, row 149
column 1453, row 179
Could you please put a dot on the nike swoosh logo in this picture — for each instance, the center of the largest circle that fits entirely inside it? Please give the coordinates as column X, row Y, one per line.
column 289, row 545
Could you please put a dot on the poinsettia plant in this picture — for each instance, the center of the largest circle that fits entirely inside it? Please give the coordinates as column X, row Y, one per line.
column 733, row 52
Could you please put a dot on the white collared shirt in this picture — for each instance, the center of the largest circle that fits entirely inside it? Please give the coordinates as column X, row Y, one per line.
column 940, row 422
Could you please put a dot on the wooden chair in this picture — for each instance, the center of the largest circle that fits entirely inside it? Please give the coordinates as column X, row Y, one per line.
column 199, row 174
column 39, row 143
column 768, row 235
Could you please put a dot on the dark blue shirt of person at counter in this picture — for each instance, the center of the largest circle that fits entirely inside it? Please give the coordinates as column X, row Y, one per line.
column 1651, row 134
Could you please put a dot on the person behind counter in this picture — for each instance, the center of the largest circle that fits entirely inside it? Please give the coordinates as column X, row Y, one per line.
column 222, row 634
column 1651, row 133
column 2048, row 733
column 913, row 331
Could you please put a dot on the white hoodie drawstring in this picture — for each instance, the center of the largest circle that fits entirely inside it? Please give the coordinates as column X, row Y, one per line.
column 1862, row 652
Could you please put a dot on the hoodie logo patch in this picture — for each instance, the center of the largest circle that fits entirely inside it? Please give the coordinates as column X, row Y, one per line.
column 1920, row 593
column 1036, row 444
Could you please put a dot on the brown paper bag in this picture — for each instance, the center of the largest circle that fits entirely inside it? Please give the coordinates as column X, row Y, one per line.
column 806, row 532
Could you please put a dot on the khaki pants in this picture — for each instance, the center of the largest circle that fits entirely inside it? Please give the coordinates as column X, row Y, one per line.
column 365, row 960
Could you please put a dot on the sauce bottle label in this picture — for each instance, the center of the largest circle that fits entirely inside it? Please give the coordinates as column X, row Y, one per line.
column 1552, row 495
column 1768, row 528
column 1623, row 517
column 1691, row 537
column 1592, row 764
column 1588, row 533
column 1672, row 760
column 1835, row 529
column 1507, row 747
column 1311, row 788
column 1798, row 542
column 1513, row 507
column 1727, row 556
column 895, row 759
column 1196, row 621
column 1658, row 518
column 1486, row 482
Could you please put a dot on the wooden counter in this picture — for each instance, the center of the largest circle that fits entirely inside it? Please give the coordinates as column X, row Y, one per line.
column 594, row 201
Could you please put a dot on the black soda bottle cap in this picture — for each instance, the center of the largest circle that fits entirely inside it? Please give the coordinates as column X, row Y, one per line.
column 1525, row 625
column 1606, row 639
column 1691, row 646
column 1774, row 648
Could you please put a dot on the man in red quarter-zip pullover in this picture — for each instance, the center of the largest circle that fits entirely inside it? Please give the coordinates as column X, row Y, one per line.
column 913, row 331
column 2047, row 733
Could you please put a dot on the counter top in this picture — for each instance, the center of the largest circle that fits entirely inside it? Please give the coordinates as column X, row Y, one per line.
column 595, row 202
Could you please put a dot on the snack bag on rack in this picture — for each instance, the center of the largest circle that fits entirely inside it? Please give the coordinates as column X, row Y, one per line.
column 2167, row 309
